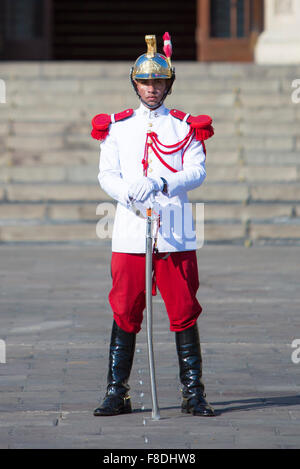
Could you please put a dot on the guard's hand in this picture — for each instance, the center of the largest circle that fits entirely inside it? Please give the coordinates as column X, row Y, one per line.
column 142, row 188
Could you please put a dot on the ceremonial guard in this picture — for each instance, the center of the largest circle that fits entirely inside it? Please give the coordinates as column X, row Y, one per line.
column 153, row 156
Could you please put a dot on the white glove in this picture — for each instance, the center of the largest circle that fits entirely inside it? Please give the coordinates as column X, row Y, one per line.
column 142, row 188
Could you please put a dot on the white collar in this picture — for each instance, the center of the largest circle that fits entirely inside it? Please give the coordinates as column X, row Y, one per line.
column 152, row 113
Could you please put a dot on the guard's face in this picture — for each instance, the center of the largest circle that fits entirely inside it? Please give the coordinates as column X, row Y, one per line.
column 151, row 91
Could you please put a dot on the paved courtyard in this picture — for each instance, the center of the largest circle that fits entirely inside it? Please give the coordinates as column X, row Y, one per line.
column 55, row 326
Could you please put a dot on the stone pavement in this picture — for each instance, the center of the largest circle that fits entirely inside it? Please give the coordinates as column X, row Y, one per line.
column 56, row 322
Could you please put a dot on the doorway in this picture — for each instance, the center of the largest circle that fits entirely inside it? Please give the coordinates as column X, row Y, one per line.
column 228, row 29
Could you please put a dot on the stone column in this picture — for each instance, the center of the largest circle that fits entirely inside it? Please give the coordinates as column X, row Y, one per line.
column 280, row 41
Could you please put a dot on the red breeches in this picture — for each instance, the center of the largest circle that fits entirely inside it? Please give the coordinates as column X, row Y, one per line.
column 176, row 277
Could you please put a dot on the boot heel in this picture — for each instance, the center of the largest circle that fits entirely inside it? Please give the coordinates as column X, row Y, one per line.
column 185, row 407
column 127, row 409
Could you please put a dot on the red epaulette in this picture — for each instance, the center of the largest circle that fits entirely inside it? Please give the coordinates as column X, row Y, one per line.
column 201, row 124
column 101, row 123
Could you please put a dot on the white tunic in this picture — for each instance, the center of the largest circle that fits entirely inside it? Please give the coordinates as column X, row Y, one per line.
column 120, row 165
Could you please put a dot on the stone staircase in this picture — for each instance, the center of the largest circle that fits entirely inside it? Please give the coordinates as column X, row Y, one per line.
column 49, row 163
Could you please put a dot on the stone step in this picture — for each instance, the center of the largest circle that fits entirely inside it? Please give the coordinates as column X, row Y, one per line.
column 39, row 113
column 249, row 158
column 56, row 130
column 76, row 157
column 208, row 192
column 48, row 232
column 252, row 232
column 71, row 120
column 255, row 129
column 117, row 100
column 51, row 212
column 186, row 85
column 37, row 128
column 216, row 172
column 50, row 173
column 53, row 192
column 84, row 142
column 61, row 116
column 87, row 232
column 269, row 157
column 44, row 157
column 265, row 232
column 101, row 85
column 93, row 69
column 190, row 84
column 268, row 143
column 16, row 212
column 255, row 212
column 275, row 192
column 246, row 192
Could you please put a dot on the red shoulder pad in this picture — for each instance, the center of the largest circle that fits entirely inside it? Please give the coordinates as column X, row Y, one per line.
column 202, row 126
column 101, row 123
column 199, row 121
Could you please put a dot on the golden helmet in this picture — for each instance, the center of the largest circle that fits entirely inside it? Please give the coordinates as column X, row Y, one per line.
column 152, row 64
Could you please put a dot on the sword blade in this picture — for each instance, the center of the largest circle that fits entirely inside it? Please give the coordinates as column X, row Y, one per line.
column 155, row 408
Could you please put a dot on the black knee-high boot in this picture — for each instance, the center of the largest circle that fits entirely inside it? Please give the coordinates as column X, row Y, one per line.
column 190, row 368
column 121, row 352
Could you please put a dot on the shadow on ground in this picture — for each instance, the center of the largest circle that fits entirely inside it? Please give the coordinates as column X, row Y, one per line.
column 257, row 403
column 243, row 404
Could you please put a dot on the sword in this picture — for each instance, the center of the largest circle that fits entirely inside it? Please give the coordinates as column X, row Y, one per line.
column 149, row 251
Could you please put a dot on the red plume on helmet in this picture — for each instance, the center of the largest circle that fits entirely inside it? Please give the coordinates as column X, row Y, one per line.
column 167, row 45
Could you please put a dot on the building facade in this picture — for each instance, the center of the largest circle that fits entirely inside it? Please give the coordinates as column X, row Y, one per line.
column 203, row 30
column 262, row 31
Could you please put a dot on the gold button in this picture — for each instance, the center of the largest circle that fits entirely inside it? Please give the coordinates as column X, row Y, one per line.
column 150, row 170
column 150, row 125
column 149, row 161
